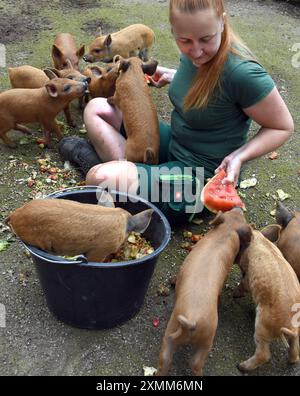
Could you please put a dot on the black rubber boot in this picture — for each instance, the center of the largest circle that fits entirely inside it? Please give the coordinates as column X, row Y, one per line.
column 79, row 151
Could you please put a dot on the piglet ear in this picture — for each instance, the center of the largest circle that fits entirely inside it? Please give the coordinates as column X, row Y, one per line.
column 80, row 52
column 245, row 235
column 56, row 52
column 52, row 90
column 149, row 67
column 124, row 65
column 272, row 232
column 107, row 41
column 105, row 199
column 51, row 73
column 117, row 58
column 97, row 71
column 283, row 216
column 139, row 222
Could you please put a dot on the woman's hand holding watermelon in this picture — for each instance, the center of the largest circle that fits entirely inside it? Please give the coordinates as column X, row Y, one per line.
column 232, row 166
column 162, row 76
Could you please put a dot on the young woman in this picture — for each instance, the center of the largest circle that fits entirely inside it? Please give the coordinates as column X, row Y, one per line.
column 216, row 91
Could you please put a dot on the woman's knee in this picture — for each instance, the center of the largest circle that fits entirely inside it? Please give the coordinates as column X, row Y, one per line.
column 96, row 107
column 115, row 175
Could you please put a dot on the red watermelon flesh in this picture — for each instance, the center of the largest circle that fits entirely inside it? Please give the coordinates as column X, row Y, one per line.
column 217, row 196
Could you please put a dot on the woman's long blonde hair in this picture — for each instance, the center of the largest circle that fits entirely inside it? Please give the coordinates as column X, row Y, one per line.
column 208, row 78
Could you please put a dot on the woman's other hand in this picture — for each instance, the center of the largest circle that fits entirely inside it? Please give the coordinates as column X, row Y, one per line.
column 162, row 77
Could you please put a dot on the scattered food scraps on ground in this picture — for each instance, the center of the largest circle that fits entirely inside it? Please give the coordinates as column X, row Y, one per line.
column 273, row 212
column 3, row 245
column 282, row 195
column 273, row 155
column 163, row 290
column 248, row 183
column 192, row 239
column 149, row 371
column 155, row 322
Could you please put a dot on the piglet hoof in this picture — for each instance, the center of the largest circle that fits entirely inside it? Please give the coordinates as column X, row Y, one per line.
column 242, row 367
column 293, row 360
column 72, row 124
column 12, row 145
column 49, row 145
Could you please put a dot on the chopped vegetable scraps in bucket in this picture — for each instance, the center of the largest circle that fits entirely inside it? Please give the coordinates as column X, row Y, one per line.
column 134, row 248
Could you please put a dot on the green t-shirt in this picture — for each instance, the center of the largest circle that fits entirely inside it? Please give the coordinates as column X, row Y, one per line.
column 203, row 137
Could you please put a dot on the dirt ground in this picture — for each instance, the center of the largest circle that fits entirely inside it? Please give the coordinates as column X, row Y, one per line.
column 34, row 342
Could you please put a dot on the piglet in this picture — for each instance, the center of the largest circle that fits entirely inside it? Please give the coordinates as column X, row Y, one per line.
column 30, row 77
column 275, row 291
column 133, row 98
column 64, row 49
column 194, row 319
column 21, row 105
column 134, row 40
column 103, row 80
column 287, row 235
column 65, row 227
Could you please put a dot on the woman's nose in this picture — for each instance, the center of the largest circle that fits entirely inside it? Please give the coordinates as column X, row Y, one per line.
column 196, row 50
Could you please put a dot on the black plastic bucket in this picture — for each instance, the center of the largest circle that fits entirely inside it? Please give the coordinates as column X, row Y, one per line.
column 100, row 295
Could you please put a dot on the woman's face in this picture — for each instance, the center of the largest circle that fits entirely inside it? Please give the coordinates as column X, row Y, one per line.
column 197, row 35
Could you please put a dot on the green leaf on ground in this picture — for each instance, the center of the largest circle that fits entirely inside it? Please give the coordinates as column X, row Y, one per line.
column 3, row 245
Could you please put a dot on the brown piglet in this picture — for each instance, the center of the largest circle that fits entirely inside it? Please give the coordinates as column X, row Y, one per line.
column 287, row 235
column 22, row 105
column 133, row 98
column 199, row 284
column 64, row 49
column 134, row 40
column 275, row 290
column 103, row 80
column 64, row 227
column 30, row 77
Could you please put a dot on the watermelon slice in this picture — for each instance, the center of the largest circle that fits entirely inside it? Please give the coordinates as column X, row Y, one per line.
column 217, row 196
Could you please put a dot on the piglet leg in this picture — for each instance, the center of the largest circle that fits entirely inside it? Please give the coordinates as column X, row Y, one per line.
column 261, row 356
column 294, row 350
column 69, row 120
column 6, row 139
column 23, row 129
column 51, row 127
column 165, row 357
column 200, row 358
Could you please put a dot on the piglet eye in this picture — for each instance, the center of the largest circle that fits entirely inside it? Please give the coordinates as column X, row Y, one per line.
column 67, row 88
column 97, row 50
column 70, row 77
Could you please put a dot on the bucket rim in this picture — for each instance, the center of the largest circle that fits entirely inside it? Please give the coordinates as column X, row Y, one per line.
column 81, row 260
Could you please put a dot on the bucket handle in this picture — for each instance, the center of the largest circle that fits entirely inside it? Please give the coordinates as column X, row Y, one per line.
column 80, row 259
